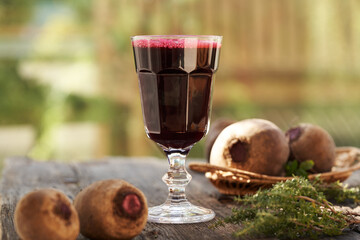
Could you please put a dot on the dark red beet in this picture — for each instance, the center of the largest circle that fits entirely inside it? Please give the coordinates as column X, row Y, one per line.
column 111, row 209
column 254, row 145
column 311, row 142
column 46, row 214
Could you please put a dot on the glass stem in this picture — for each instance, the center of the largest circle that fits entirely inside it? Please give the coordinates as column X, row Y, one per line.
column 176, row 178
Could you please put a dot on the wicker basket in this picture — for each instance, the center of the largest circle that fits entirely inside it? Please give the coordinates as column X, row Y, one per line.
column 234, row 181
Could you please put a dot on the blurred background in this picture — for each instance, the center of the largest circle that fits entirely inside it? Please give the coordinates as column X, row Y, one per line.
column 69, row 91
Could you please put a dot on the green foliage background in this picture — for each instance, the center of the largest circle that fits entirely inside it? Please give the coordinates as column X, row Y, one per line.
column 288, row 62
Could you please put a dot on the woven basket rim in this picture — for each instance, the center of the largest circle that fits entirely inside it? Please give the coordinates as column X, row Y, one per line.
column 207, row 167
column 239, row 182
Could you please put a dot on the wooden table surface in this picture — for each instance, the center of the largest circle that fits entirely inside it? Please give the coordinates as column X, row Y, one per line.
column 21, row 175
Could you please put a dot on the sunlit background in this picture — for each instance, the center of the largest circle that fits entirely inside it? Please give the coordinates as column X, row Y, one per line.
column 68, row 88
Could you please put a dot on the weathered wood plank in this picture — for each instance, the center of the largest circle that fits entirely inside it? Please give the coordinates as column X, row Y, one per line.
column 22, row 175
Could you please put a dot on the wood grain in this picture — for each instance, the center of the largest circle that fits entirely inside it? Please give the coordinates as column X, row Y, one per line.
column 21, row 175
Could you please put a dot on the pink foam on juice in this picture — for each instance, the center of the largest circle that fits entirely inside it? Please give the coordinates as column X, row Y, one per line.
column 175, row 43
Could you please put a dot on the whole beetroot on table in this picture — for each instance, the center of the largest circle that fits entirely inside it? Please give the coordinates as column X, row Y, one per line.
column 46, row 214
column 111, row 210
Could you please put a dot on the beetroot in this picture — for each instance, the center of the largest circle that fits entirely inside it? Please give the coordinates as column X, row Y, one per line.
column 111, row 210
column 311, row 142
column 46, row 214
column 254, row 145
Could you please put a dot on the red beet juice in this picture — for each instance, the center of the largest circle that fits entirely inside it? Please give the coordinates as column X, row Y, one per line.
column 176, row 78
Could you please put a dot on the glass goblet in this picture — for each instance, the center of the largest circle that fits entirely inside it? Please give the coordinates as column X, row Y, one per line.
column 175, row 74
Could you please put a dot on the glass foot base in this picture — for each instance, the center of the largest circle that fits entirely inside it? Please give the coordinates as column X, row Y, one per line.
column 179, row 213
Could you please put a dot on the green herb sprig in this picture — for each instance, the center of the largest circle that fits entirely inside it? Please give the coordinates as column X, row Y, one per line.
column 294, row 168
column 289, row 210
column 337, row 191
